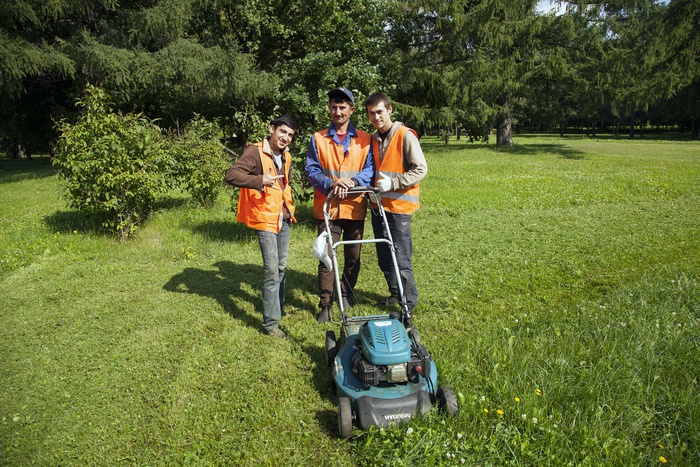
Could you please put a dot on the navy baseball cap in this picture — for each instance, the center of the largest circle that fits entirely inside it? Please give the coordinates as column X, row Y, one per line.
column 343, row 93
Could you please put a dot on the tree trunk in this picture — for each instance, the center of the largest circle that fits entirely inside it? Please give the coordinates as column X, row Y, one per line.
column 504, row 122
column 504, row 137
column 631, row 123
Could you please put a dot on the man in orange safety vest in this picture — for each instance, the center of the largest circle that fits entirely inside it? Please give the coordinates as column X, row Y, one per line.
column 339, row 158
column 265, row 205
column 400, row 166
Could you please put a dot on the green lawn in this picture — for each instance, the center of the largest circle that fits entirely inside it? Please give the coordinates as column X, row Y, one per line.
column 560, row 298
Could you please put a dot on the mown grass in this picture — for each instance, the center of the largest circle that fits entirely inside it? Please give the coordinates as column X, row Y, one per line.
column 559, row 298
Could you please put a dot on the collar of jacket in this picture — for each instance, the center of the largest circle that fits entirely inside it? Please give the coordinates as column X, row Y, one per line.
column 394, row 126
column 351, row 131
column 268, row 150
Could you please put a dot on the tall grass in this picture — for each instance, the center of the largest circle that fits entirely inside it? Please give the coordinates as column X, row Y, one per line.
column 559, row 298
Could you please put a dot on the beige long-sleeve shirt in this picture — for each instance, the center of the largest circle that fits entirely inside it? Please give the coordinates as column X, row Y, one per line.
column 414, row 163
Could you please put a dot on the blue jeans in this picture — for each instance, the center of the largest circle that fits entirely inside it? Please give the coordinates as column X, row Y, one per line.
column 400, row 228
column 274, row 248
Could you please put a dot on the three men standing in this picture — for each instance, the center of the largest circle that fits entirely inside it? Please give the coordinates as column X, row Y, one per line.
column 338, row 158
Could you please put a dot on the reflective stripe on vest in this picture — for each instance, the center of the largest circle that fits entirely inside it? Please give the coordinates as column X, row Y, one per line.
column 335, row 164
column 404, row 201
column 262, row 210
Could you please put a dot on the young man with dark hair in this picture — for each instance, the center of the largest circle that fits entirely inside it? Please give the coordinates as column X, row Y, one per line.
column 339, row 158
column 400, row 166
column 265, row 205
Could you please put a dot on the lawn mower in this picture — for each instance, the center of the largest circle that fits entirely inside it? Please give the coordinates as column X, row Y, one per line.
column 381, row 371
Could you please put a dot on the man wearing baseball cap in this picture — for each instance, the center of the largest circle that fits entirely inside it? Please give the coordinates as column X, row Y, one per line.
column 339, row 158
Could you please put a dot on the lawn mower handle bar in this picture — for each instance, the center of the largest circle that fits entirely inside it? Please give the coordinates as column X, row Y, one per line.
column 356, row 190
column 374, row 196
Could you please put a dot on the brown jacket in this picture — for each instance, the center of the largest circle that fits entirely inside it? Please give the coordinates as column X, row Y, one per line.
column 247, row 172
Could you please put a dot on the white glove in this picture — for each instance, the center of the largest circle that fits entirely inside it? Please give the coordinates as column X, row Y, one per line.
column 383, row 183
column 320, row 250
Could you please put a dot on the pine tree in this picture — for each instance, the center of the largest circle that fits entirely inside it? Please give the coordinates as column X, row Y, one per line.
column 477, row 59
column 681, row 28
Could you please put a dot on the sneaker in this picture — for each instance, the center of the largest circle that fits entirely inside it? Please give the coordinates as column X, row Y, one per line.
column 276, row 332
column 346, row 303
column 325, row 314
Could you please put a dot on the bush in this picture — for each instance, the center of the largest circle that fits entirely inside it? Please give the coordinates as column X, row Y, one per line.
column 200, row 160
column 112, row 165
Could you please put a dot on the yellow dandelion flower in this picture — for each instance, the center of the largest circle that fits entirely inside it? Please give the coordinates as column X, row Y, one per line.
column 499, row 412
column 517, row 399
column 661, row 446
column 486, row 410
column 662, row 459
column 75, row 231
column 538, row 392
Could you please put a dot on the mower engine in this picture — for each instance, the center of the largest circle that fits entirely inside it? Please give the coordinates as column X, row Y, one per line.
column 384, row 354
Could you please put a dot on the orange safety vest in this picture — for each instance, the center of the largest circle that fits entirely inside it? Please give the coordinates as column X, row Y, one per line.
column 262, row 210
column 335, row 165
column 403, row 201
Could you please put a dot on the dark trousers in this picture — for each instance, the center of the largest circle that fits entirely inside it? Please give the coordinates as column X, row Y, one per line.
column 400, row 228
column 350, row 230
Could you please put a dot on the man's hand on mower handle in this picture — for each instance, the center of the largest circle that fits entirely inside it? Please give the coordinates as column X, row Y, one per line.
column 340, row 187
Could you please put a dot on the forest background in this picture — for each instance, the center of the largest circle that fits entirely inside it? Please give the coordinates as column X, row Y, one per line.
column 452, row 68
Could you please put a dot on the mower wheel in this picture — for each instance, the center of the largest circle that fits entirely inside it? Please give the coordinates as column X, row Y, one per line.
column 447, row 401
column 331, row 348
column 344, row 417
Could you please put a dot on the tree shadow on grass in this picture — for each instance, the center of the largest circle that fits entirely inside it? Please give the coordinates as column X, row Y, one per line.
column 536, row 149
column 555, row 149
column 17, row 170
column 68, row 221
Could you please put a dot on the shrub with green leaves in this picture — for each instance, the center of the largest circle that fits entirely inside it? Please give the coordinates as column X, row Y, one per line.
column 201, row 161
column 113, row 166
column 301, row 188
